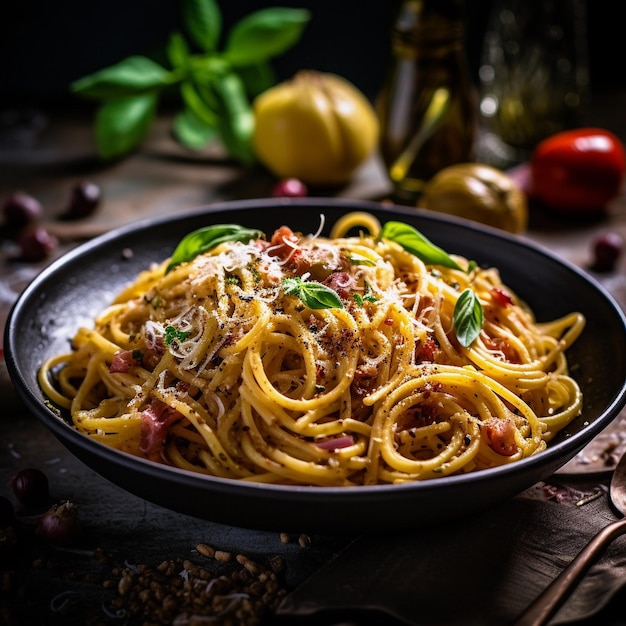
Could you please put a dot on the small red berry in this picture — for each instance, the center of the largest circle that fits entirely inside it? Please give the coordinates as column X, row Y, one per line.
column 36, row 244
column 607, row 249
column 84, row 200
column 290, row 188
column 21, row 209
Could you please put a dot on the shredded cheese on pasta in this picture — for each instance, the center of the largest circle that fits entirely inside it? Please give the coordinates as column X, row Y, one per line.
column 215, row 367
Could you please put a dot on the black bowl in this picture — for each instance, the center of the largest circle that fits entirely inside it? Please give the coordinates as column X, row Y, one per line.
column 73, row 289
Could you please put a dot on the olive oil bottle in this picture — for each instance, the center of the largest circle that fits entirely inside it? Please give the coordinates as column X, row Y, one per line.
column 427, row 106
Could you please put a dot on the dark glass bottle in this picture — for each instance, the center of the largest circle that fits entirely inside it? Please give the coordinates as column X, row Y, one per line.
column 533, row 76
column 427, row 105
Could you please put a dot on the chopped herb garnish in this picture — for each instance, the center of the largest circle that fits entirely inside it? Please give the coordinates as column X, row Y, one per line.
column 254, row 270
column 312, row 294
column 368, row 293
column 173, row 334
column 155, row 301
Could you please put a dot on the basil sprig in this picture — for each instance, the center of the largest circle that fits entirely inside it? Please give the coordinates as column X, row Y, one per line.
column 467, row 318
column 414, row 242
column 216, row 86
column 314, row 295
column 205, row 239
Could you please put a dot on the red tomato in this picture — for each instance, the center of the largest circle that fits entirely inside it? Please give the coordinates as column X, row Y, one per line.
column 578, row 170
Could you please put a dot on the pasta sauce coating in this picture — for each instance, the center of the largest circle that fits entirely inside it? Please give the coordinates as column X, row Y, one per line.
column 318, row 361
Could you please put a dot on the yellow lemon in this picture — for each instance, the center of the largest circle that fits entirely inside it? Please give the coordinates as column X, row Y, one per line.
column 316, row 127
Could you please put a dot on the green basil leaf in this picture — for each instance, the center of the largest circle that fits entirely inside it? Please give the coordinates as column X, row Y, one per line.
column 414, row 242
column 205, row 239
column 203, row 20
column 312, row 294
column 132, row 76
column 205, row 68
column 236, row 117
column 318, row 296
column 467, row 318
column 122, row 123
column 196, row 103
column 191, row 131
column 177, row 50
column 264, row 34
column 292, row 286
column 257, row 78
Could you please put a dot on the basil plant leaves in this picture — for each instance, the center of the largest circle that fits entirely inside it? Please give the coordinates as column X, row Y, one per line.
column 215, row 86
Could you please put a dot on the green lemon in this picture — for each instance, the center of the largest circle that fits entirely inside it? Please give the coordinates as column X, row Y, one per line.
column 480, row 193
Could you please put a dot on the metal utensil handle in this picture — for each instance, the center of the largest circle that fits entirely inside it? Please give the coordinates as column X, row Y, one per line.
column 553, row 596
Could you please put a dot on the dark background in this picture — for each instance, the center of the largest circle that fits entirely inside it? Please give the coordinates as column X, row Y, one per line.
column 45, row 45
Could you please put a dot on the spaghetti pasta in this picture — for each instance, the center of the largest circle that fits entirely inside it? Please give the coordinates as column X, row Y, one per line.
column 348, row 360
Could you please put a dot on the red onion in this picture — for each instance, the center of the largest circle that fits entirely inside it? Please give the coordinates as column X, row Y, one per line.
column 60, row 524
column 30, row 486
column 336, row 444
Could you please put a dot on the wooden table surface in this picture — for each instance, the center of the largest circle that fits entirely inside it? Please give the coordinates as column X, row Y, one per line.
column 46, row 158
